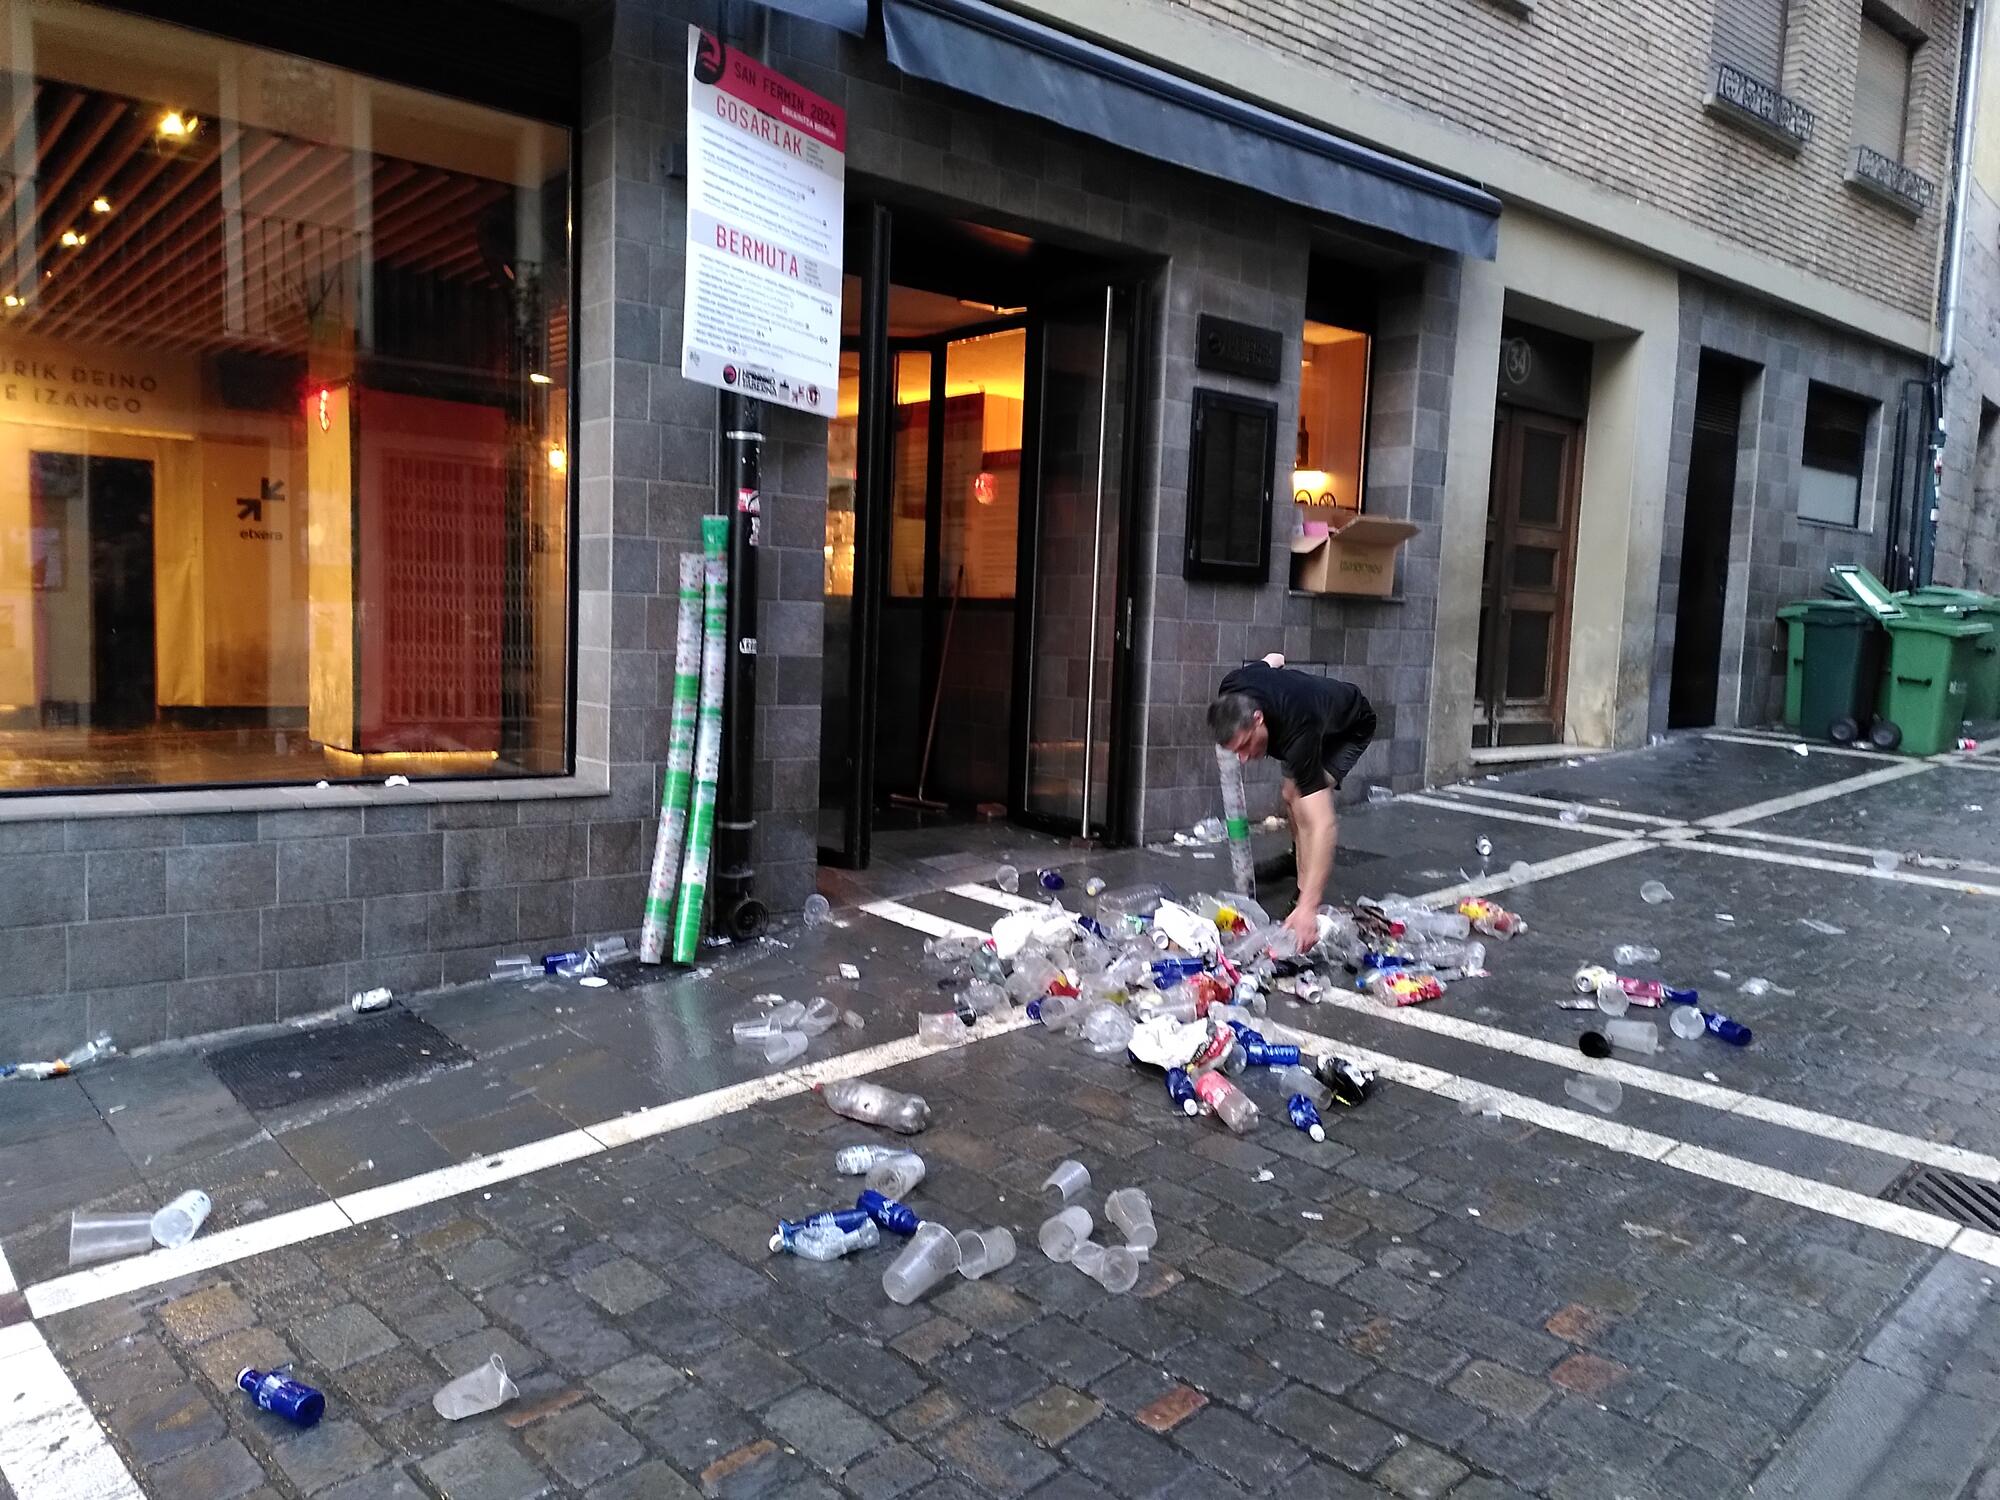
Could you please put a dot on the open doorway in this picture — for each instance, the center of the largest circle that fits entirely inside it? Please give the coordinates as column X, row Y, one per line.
column 1705, row 531
column 976, row 537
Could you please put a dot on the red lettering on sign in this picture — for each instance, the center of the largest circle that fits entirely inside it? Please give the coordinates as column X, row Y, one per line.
column 758, row 252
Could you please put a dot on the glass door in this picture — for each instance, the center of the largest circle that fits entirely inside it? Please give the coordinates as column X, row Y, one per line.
column 1073, row 528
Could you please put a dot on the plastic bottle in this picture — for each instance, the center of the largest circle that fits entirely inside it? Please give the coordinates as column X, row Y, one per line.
column 94, row 1050
column 1180, row 1089
column 843, row 1219
column 898, row 1177
column 897, row 1218
column 293, row 1400
column 871, row 1104
column 1259, row 1053
column 1634, row 953
column 857, row 1161
column 1494, row 921
column 829, row 1243
column 1227, row 1101
column 1299, row 1110
column 1401, row 986
column 1299, row 1079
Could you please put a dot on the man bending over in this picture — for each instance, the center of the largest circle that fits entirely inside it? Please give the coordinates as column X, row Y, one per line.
column 1318, row 727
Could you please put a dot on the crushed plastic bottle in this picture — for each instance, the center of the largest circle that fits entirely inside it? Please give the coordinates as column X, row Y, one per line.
column 940, row 1028
column 1210, row 831
column 1093, row 887
column 829, row 1242
column 363, row 1001
column 858, row 1161
column 1305, row 1117
column 1379, row 795
column 1049, row 880
column 1653, row 892
column 872, row 1104
column 1107, row 1028
column 1229, row 1103
column 1634, row 953
column 1401, row 986
column 1491, row 918
column 1180, row 1089
column 896, row 1218
column 295, row 1401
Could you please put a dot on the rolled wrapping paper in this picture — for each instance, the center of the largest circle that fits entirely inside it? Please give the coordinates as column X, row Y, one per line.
column 708, row 737
column 664, row 882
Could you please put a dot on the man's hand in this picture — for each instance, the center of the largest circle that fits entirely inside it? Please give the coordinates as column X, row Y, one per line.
column 1303, row 924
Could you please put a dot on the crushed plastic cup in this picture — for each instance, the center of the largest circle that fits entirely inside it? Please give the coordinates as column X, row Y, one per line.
column 981, row 1251
column 95, row 1237
column 1379, row 795
column 898, row 1176
column 1626, row 954
column 1612, row 999
column 1653, row 892
column 1063, row 1232
column 940, row 1028
column 1131, row 1211
column 931, row 1255
column 515, row 966
column 1113, row 1267
column 1602, row 1094
column 787, row 1015
column 479, row 1389
column 1070, row 1179
column 821, row 1015
column 1575, row 812
column 753, row 1032
column 780, row 1047
column 817, row 910
column 1007, row 878
column 1755, row 988
column 1687, row 1023
column 1633, row 1036
column 181, row 1220
column 985, row 998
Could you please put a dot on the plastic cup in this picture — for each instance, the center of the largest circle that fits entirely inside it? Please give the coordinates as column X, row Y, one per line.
column 181, row 1220
column 1117, row 1271
column 1088, row 1258
column 1612, row 999
column 780, row 1047
column 818, row 909
column 1061, row 1234
column 1633, row 1036
column 477, row 1390
column 1132, row 1212
column 753, row 1032
column 821, row 1015
column 897, row 1177
column 981, row 1251
column 1070, row 1179
column 95, row 1237
column 1687, row 1023
column 939, row 1028
column 931, row 1255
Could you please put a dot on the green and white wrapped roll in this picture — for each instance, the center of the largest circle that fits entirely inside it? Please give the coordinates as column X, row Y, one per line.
column 664, row 882
column 707, row 738
column 1236, row 821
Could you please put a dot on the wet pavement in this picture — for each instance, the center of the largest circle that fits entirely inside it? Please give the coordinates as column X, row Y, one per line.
column 1671, row 1301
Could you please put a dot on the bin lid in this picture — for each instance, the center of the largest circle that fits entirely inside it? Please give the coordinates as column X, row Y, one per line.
column 1956, row 628
column 1865, row 589
column 1796, row 610
column 1839, row 613
column 1937, row 596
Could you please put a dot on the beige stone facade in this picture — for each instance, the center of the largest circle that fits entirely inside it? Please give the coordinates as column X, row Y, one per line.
column 1612, row 91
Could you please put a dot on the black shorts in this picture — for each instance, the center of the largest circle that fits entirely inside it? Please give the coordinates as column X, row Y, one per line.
column 1339, row 752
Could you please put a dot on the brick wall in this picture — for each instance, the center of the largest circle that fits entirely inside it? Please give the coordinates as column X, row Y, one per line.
column 1611, row 91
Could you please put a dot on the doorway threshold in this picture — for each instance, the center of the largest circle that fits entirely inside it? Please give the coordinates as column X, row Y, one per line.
column 1512, row 755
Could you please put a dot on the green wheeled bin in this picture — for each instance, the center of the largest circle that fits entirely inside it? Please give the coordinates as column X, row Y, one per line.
column 1924, row 689
column 1982, row 697
column 1842, row 663
column 1793, row 618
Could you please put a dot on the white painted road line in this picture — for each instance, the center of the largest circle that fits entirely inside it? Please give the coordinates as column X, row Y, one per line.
column 1807, row 798
column 1473, row 809
column 1611, row 814
column 462, row 1177
column 1713, row 1096
column 1836, row 867
column 920, row 921
column 1698, row 1161
column 1491, row 885
column 51, row 1447
column 992, row 895
column 1791, row 742
column 1862, row 851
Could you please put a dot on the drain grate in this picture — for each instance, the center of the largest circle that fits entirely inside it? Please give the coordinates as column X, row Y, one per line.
column 285, row 1071
column 1964, row 1200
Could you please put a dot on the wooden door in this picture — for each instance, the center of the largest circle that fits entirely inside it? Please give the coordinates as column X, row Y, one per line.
column 1524, row 606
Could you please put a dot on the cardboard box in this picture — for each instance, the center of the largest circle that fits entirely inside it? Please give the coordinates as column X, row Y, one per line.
column 1357, row 555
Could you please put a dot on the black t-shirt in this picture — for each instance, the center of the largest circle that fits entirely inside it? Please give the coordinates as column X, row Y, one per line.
column 1302, row 712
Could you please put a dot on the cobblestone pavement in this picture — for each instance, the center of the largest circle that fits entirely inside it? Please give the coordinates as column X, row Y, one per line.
column 1434, row 1301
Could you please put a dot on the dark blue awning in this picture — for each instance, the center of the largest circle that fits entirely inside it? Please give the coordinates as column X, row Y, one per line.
column 850, row 16
column 1025, row 65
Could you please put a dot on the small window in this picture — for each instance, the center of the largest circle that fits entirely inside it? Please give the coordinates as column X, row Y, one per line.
column 1333, row 417
column 1232, row 459
column 1836, row 442
column 1750, row 34
column 1881, row 89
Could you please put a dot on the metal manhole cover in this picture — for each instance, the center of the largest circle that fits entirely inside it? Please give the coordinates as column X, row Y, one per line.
column 284, row 1071
column 1964, row 1200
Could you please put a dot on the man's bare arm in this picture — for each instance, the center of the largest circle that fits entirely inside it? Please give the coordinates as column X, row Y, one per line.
column 1314, row 821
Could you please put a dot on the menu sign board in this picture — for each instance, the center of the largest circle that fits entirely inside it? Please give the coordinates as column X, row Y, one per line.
column 766, row 178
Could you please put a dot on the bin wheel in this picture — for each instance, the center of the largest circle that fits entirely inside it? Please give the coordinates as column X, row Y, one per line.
column 1843, row 731
column 1884, row 735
